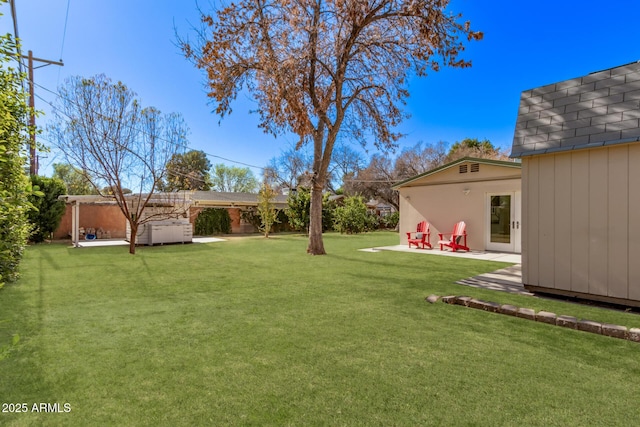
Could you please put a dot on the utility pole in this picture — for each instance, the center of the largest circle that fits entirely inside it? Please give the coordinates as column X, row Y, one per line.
column 33, row 163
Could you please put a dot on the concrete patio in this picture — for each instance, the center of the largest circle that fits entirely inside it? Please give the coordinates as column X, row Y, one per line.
column 508, row 279
column 122, row 242
column 481, row 255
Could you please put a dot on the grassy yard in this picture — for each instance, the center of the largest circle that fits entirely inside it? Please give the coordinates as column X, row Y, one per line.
column 256, row 332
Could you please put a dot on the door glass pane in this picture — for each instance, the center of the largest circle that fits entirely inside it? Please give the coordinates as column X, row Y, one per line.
column 501, row 219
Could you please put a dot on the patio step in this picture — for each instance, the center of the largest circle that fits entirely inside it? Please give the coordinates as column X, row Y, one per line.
column 507, row 279
column 495, row 284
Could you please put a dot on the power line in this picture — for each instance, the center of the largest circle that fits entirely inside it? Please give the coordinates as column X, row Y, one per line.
column 64, row 36
column 58, row 95
column 14, row 16
column 64, row 32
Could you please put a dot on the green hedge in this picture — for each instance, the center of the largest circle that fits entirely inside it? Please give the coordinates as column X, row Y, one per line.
column 213, row 221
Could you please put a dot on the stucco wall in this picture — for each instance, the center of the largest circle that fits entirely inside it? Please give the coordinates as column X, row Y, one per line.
column 445, row 204
column 581, row 218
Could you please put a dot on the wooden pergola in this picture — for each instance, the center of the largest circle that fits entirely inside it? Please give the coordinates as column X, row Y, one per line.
column 76, row 202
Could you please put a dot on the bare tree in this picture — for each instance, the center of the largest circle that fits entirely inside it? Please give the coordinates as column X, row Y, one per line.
column 318, row 67
column 288, row 170
column 101, row 129
column 375, row 181
column 345, row 164
column 420, row 158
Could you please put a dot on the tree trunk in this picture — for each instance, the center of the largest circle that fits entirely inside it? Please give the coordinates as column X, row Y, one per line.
column 316, row 245
column 132, row 238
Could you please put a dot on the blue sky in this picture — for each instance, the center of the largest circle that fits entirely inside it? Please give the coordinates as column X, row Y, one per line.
column 527, row 44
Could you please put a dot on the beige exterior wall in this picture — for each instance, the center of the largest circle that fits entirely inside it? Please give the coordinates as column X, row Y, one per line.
column 440, row 199
column 581, row 222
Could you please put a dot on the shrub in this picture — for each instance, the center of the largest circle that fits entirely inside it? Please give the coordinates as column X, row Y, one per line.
column 352, row 216
column 372, row 222
column 390, row 221
column 299, row 208
column 48, row 210
column 212, row 221
column 14, row 184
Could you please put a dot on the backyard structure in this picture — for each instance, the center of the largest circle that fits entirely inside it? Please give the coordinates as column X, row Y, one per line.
column 579, row 144
column 102, row 218
column 102, row 215
column 234, row 203
column 483, row 193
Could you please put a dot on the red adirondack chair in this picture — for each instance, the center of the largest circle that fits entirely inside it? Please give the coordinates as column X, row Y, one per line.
column 421, row 237
column 459, row 233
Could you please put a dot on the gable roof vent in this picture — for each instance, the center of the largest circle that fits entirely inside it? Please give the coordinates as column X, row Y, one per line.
column 463, row 168
column 475, row 167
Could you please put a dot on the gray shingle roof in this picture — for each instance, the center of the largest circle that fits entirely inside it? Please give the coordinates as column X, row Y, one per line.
column 602, row 108
column 228, row 199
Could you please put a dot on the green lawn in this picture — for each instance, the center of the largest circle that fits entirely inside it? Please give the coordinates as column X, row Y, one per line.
column 256, row 332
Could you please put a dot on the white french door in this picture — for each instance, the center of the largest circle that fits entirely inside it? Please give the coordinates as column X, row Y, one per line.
column 503, row 222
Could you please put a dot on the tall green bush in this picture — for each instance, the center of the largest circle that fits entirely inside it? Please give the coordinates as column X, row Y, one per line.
column 48, row 210
column 352, row 216
column 213, row 221
column 299, row 208
column 390, row 221
column 15, row 187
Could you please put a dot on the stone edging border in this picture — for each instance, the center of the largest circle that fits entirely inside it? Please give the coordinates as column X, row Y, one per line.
column 615, row 331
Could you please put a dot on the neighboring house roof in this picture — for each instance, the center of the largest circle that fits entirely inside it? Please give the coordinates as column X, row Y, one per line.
column 221, row 199
column 96, row 199
column 599, row 109
column 197, row 198
column 510, row 164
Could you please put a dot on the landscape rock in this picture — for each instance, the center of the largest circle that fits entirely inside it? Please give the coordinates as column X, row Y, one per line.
column 510, row 310
column 493, row 307
column 449, row 299
column 615, row 331
column 433, row 298
column 526, row 313
column 476, row 303
column 463, row 301
column 566, row 321
column 546, row 317
column 590, row 326
column 634, row 334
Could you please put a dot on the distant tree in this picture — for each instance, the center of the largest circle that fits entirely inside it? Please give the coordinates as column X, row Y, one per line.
column 75, row 181
column 110, row 191
column 101, row 128
column 15, row 186
column 266, row 208
column 324, row 69
column 375, row 181
column 188, row 171
column 473, row 147
column 419, row 158
column 289, row 170
column 345, row 164
column 48, row 210
column 233, row 179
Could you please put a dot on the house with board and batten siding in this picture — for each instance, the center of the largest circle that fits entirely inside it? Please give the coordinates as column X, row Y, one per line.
column 579, row 142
